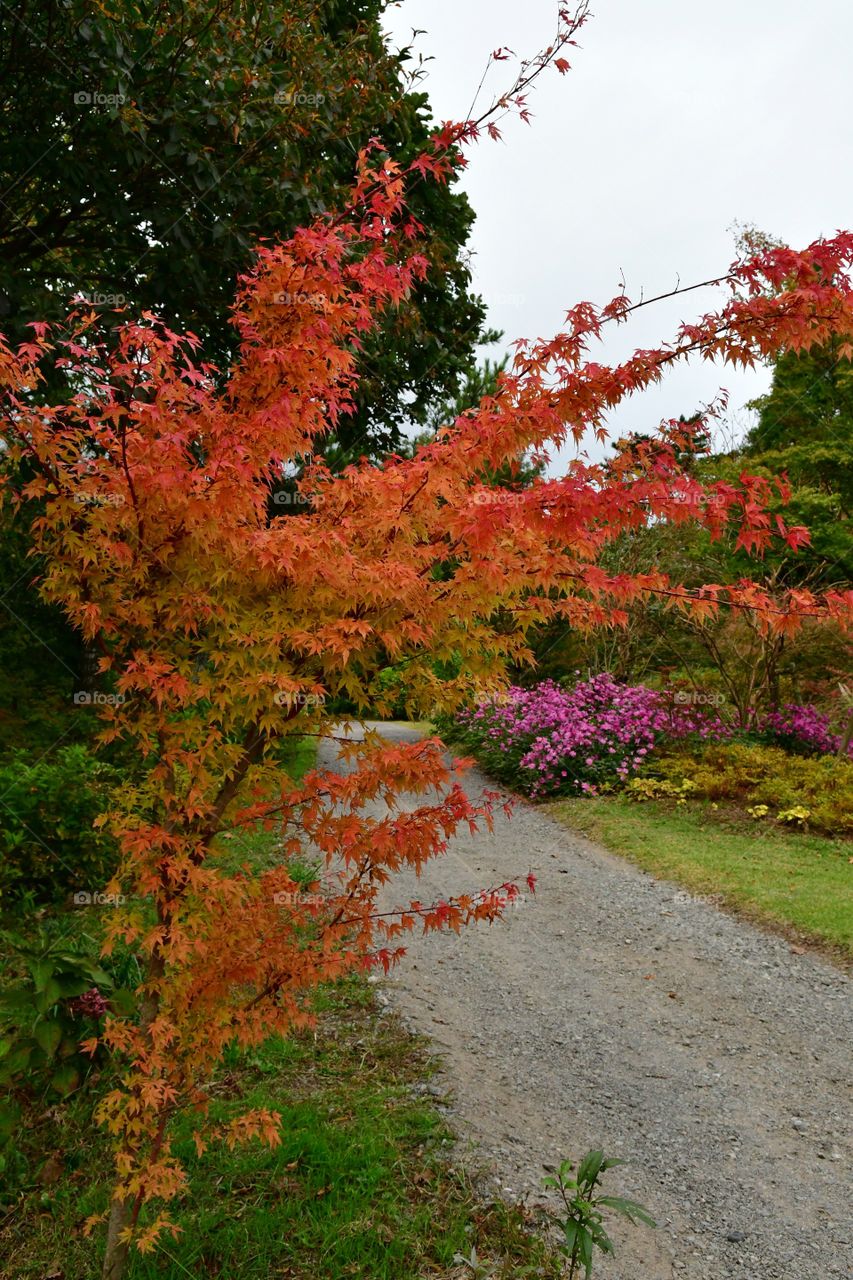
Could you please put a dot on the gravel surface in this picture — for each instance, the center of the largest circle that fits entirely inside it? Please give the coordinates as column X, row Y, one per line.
column 613, row 1010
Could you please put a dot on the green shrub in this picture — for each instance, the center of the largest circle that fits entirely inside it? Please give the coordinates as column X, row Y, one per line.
column 48, row 847
column 750, row 775
column 54, row 993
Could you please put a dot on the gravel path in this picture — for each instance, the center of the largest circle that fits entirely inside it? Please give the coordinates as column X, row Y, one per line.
column 612, row 1010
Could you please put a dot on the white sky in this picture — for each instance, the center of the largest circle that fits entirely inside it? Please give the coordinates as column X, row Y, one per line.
column 676, row 120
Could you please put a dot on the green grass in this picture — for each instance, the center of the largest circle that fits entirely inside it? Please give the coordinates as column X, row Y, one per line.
column 360, row 1186
column 298, row 754
column 802, row 883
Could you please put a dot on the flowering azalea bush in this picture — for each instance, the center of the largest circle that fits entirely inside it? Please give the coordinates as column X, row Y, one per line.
column 801, row 729
column 548, row 740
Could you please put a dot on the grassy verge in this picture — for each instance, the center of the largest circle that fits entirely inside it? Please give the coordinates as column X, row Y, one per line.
column 799, row 882
column 360, row 1186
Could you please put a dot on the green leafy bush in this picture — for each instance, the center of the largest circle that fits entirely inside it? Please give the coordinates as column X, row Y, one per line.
column 55, row 996
column 748, row 774
column 390, row 692
column 48, row 847
column 55, row 993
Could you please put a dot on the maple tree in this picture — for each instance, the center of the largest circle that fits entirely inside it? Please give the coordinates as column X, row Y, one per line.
column 223, row 630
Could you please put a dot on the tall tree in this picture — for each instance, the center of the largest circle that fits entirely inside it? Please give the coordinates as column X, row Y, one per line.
column 805, row 429
column 147, row 147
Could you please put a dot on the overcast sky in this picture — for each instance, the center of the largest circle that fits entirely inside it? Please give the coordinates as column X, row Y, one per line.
column 675, row 121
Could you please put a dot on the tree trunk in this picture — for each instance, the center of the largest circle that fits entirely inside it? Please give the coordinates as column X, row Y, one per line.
column 115, row 1254
column 121, row 1211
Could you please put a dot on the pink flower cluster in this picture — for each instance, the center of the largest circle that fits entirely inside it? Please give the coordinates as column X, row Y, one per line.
column 553, row 739
column 801, row 728
column 685, row 722
column 90, row 1005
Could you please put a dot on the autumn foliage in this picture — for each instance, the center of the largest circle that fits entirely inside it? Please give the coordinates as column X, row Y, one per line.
column 224, row 627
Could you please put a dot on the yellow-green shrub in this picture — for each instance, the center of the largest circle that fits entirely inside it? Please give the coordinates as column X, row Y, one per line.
column 748, row 774
column 646, row 788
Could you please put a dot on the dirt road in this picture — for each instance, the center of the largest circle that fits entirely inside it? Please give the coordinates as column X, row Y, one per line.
column 612, row 1010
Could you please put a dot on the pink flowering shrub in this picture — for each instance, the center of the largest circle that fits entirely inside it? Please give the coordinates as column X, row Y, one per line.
column 548, row 740
column 800, row 729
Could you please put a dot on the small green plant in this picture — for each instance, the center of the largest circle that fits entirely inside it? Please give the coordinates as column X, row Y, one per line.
column 583, row 1224
column 641, row 789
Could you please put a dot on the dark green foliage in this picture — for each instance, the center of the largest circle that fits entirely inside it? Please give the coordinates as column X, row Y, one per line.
column 805, row 429
column 48, row 845
column 147, row 147
column 42, row 661
column 54, row 994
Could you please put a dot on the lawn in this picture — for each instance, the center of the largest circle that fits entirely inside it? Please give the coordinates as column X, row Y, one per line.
column 800, row 882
